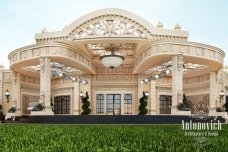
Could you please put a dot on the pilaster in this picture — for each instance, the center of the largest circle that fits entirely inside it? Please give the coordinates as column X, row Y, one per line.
column 76, row 100
column 213, row 93
column 177, row 81
column 153, row 99
column 45, row 84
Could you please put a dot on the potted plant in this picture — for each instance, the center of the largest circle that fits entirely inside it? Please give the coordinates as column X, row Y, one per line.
column 38, row 107
column 11, row 113
column 86, row 104
column 143, row 103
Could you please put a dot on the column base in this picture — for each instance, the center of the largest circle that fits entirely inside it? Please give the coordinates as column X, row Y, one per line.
column 76, row 112
column 152, row 112
column 182, row 113
column 18, row 113
column 174, row 110
column 41, row 113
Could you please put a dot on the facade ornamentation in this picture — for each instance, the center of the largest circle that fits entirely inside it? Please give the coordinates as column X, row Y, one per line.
column 110, row 27
column 147, row 50
column 180, row 62
column 14, row 77
column 42, row 64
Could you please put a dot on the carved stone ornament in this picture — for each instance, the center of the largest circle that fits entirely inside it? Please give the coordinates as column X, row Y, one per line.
column 42, row 64
column 109, row 27
column 180, row 62
column 14, row 77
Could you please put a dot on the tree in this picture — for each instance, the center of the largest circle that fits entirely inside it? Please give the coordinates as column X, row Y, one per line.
column 143, row 103
column 86, row 104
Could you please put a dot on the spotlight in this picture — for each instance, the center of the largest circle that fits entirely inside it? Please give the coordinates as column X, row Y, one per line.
column 60, row 74
column 142, row 82
column 157, row 76
column 146, row 80
column 167, row 71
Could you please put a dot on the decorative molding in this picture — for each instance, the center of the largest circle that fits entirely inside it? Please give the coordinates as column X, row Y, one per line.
column 186, row 48
column 61, row 50
column 109, row 26
column 114, row 77
column 42, row 64
column 7, row 76
column 118, row 70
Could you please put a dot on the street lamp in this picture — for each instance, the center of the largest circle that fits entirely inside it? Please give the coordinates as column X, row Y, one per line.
column 221, row 95
column 81, row 93
column 147, row 93
column 7, row 94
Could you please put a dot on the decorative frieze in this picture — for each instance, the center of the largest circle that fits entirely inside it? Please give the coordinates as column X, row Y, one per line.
column 197, row 79
column 104, row 70
column 114, row 77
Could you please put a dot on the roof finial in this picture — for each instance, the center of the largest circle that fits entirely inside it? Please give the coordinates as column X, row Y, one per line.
column 44, row 30
column 159, row 25
column 177, row 27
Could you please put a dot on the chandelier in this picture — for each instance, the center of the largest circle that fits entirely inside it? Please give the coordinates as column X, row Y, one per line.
column 112, row 54
column 112, row 61
column 112, row 58
column 64, row 72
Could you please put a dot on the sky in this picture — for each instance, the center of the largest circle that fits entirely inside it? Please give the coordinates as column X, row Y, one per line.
column 206, row 20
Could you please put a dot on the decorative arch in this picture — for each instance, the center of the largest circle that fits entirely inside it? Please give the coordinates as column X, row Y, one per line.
column 110, row 23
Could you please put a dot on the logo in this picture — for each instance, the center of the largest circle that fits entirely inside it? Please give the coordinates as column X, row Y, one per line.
column 201, row 125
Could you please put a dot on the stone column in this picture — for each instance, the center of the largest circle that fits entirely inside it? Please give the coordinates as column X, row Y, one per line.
column 76, row 100
column 45, row 84
column 140, row 94
column 213, row 93
column 177, row 81
column 16, row 92
column 153, row 98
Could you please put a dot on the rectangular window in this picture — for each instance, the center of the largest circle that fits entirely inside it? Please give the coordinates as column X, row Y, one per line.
column 128, row 104
column 62, row 105
column 100, row 104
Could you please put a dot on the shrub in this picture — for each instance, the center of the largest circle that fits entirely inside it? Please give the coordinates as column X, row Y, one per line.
column 143, row 103
column 86, row 104
column 183, row 106
column 12, row 110
column 38, row 107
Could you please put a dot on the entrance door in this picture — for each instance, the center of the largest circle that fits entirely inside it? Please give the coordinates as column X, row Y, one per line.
column 165, row 104
column 113, row 104
column 62, row 105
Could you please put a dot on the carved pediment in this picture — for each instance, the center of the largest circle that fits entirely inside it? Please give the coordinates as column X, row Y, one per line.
column 110, row 26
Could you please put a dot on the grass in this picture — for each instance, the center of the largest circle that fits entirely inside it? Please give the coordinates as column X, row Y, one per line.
column 107, row 138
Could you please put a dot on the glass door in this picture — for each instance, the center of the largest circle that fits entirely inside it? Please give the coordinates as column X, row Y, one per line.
column 165, row 104
column 113, row 104
column 62, row 105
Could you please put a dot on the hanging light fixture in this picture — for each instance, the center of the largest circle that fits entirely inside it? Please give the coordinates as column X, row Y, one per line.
column 112, row 60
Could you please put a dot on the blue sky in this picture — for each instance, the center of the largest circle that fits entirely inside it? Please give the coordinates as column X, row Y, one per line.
column 206, row 20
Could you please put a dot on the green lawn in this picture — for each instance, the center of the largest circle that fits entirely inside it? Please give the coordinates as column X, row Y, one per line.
column 35, row 138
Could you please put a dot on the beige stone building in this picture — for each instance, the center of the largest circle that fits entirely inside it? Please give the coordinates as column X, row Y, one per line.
column 114, row 55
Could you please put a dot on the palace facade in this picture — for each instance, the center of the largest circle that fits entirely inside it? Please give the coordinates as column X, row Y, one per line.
column 114, row 56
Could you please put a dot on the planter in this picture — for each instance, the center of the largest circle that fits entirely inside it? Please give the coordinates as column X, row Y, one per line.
column 10, row 116
column 41, row 113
